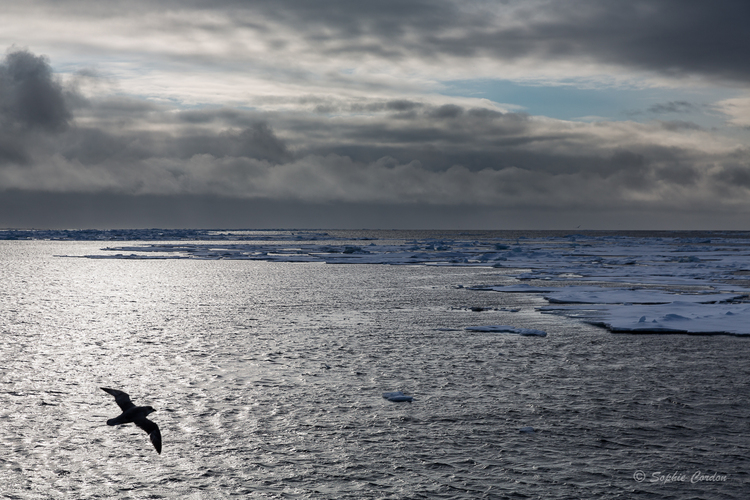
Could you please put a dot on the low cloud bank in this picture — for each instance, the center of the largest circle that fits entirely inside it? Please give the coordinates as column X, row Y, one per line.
column 385, row 152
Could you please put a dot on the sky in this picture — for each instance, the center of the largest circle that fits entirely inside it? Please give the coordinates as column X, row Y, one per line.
column 531, row 114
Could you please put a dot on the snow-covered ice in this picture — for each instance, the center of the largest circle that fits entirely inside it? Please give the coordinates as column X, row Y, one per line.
column 601, row 295
column 609, row 295
column 676, row 317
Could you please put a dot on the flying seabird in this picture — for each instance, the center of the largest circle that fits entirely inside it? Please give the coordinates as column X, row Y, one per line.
column 135, row 414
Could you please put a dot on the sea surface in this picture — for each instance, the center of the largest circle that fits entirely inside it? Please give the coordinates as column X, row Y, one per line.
column 267, row 376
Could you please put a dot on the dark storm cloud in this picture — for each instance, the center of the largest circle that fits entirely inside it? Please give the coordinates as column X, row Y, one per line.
column 32, row 105
column 29, row 94
column 671, row 37
column 736, row 175
column 94, row 146
column 257, row 141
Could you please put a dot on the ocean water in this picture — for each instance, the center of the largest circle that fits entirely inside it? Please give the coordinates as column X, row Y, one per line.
column 267, row 375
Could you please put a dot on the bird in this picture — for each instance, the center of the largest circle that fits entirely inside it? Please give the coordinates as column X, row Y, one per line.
column 135, row 414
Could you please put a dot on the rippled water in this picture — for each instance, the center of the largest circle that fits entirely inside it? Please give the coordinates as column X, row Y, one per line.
column 267, row 379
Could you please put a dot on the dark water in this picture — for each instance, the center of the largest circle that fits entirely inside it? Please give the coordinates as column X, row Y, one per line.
column 267, row 378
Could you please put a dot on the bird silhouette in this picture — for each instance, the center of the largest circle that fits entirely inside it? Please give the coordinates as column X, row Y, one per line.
column 136, row 415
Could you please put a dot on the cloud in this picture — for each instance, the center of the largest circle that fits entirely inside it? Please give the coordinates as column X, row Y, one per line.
column 439, row 155
column 355, row 150
column 30, row 96
column 737, row 109
column 671, row 37
column 32, row 104
column 265, row 54
column 672, row 107
column 676, row 125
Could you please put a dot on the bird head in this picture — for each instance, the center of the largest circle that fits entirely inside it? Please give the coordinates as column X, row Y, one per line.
column 149, row 410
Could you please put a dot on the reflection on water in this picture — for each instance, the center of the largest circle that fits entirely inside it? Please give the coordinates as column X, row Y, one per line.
column 267, row 380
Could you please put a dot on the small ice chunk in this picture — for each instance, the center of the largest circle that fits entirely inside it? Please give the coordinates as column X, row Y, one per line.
column 507, row 329
column 522, row 288
column 527, row 430
column 397, row 397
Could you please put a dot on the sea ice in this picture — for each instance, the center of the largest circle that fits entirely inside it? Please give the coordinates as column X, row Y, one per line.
column 507, row 329
column 609, row 295
column 677, row 317
column 397, row 397
column 606, row 279
column 521, row 288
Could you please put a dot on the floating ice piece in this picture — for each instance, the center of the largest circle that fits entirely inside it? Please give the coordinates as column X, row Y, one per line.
column 677, row 317
column 610, row 295
column 522, row 288
column 397, row 397
column 603, row 295
column 507, row 329
column 527, row 430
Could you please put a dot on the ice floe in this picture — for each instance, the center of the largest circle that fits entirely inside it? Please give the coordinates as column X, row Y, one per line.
column 507, row 329
column 651, row 311
column 609, row 295
column 397, row 397
column 675, row 317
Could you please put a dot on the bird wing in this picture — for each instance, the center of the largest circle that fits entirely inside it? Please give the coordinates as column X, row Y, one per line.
column 121, row 398
column 152, row 430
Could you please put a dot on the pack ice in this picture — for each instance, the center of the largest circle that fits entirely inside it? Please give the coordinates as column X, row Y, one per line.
column 626, row 283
